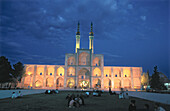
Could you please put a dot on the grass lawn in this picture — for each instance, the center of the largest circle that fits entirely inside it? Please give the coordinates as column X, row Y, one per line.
column 57, row 102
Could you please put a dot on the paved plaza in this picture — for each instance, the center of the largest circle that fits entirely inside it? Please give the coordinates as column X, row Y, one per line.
column 156, row 97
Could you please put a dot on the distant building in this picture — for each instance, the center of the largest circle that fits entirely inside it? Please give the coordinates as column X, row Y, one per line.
column 82, row 69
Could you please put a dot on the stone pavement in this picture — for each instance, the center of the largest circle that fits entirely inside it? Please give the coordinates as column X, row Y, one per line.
column 156, row 97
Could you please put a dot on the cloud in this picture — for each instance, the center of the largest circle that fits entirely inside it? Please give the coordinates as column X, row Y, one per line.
column 143, row 17
column 108, row 54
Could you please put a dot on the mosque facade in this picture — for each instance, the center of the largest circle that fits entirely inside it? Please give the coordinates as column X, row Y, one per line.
column 82, row 69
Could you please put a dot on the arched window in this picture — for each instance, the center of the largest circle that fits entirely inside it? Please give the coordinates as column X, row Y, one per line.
column 82, row 77
column 51, row 74
column 106, row 75
column 40, row 73
column 96, row 74
column 116, row 75
column 125, row 75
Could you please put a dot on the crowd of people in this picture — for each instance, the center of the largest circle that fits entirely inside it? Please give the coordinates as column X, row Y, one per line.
column 75, row 101
column 78, row 100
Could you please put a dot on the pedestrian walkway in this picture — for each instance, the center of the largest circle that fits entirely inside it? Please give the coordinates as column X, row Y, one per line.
column 8, row 93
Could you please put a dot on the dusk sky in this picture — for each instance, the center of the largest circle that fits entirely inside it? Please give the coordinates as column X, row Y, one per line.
column 127, row 32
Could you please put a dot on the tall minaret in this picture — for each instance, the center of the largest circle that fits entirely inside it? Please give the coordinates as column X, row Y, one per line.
column 77, row 38
column 91, row 38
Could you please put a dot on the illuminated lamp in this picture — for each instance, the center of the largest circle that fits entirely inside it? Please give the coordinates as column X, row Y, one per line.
column 29, row 73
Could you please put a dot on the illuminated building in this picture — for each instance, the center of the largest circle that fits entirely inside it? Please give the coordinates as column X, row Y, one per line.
column 82, row 69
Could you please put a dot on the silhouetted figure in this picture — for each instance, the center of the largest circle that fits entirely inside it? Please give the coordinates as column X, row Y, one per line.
column 132, row 106
column 46, row 92
column 75, row 87
column 158, row 107
column 87, row 94
column 56, row 91
column 126, row 96
column 110, row 91
column 68, row 96
column 20, row 94
column 14, row 95
column 121, row 96
column 71, row 103
column 114, row 93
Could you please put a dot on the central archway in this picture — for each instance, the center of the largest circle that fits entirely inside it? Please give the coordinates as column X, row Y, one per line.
column 84, row 78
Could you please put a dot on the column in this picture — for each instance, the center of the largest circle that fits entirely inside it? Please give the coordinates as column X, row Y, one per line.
column 122, row 84
column 131, row 71
column 65, row 71
column 65, row 76
column 91, row 77
column 140, row 76
column 112, row 77
column 44, row 80
column 76, row 76
column 55, row 73
column 91, row 70
column 34, row 76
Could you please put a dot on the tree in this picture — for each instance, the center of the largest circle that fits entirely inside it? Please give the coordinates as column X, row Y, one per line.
column 145, row 79
column 18, row 72
column 155, row 79
column 5, row 70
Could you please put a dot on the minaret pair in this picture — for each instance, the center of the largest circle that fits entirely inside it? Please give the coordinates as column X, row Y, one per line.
column 91, row 36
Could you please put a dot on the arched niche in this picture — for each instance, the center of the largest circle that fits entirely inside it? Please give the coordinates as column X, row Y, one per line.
column 60, row 71
column 97, row 72
column 70, row 83
column 71, row 61
column 126, row 72
column 84, row 78
column 71, row 71
column 84, row 58
column 40, row 70
column 49, row 82
column 38, row 82
column 60, row 82
column 97, row 83
column 29, row 70
column 96, row 61
column 107, row 83
column 116, row 72
column 107, row 72
column 127, row 83
column 50, row 71
column 117, row 83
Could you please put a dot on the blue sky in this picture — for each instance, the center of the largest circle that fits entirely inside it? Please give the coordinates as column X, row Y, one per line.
column 127, row 32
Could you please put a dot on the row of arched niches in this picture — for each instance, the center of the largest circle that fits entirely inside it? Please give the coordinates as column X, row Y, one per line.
column 84, row 59
column 55, row 75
